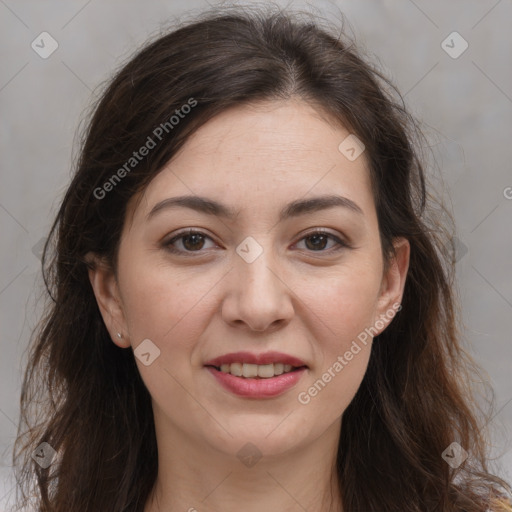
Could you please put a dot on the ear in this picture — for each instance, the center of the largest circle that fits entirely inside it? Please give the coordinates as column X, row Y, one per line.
column 104, row 284
column 393, row 283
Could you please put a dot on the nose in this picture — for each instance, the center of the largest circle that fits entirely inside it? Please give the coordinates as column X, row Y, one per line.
column 259, row 296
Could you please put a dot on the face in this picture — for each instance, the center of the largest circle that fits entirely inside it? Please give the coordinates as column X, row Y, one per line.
column 271, row 268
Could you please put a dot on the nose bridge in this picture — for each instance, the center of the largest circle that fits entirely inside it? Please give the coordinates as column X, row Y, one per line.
column 255, row 269
column 259, row 297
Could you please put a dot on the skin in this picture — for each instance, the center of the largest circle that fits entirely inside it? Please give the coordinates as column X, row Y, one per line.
column 299, row 297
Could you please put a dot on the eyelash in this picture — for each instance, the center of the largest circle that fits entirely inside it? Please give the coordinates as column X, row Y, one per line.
column 189, row 232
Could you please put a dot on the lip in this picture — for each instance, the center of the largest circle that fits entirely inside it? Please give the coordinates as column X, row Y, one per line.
column 248, row 358
column 257, row 388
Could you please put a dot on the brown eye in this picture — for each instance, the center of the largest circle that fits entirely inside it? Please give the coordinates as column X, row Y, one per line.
column 190, row 241
column 318, row 242
column 193, row 242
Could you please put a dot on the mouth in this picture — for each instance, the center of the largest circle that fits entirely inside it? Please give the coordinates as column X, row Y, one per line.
column 254, row 386
column 256, row 376
column 256, row 366
column 256, row 371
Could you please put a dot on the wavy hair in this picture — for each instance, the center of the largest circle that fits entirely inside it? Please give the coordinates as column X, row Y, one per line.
column 84, row 396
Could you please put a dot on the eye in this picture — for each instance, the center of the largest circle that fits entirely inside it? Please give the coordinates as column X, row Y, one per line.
column 193, row 241
column 190, row 240
column 318, row 241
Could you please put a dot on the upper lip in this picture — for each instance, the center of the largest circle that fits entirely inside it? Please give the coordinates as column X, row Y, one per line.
column 249, row 358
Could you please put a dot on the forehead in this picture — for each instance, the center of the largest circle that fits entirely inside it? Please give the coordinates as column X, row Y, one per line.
column 262, row 154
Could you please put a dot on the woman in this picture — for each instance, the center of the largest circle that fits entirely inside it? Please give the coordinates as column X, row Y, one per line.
column 251, row 306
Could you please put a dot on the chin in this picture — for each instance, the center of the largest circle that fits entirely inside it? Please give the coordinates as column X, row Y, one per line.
column 268, row 439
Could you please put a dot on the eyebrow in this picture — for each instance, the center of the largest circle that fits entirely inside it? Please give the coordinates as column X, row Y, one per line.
column 293, row 209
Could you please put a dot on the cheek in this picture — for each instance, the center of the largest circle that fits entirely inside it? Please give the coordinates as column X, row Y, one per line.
column 343, row 307
column 343, row 304
column 170, row 308
column 160, row 303
column 341, row 347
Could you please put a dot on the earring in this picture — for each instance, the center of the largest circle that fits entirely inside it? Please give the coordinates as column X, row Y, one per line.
column 119, row 335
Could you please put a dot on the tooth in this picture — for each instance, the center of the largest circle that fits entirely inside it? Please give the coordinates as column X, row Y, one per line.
column 250, row 370
column 278, row 368
column 236, row 369
column 266, row 370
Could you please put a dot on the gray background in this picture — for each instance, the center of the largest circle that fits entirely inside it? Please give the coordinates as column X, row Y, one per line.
column 465, row 103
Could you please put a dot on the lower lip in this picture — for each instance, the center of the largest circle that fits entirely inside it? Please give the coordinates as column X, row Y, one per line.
column 257, row 388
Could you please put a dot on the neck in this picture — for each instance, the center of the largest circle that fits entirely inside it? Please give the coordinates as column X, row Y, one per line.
column 196, row 477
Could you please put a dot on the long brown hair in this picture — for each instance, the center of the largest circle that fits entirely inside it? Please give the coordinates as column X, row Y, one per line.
column 83, row 395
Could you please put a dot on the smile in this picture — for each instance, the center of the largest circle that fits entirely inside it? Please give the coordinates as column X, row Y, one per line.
column 250, row 375
column 262, row 371
column 257, row 387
